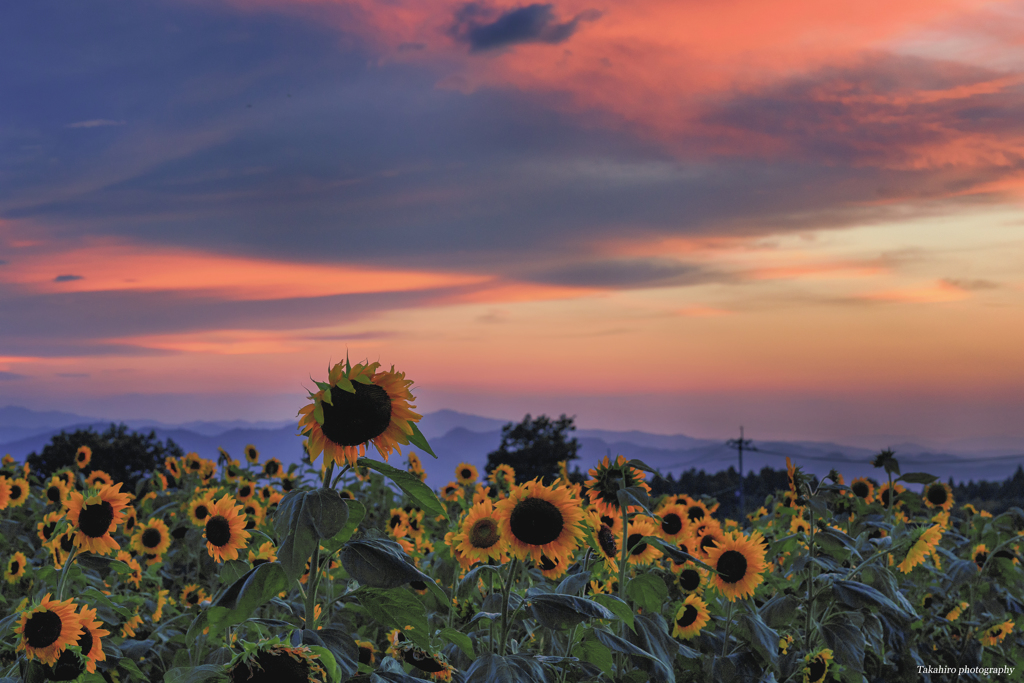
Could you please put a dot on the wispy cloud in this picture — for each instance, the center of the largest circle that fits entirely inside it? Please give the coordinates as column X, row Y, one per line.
column 484, row 28
column 95, row 123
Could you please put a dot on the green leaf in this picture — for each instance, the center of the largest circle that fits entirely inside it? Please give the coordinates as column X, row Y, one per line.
column 417, row 439
column 490, row 668
column 356, row 513
column 247, row 594
column 573, row 583
column 648, row 591
column 233, row 570
column 618, row 607
column 858, row 595
column 326, row 511
column 592, row 650
column 918, row 478
column 641, row 465
column 763, row 639
column 557, row 611
column 196, row 674
column 345, row 384
column 779, row 611
column 326, row 396
column 468, row 582
column 299, row 537
column 461, row 640
column 396, row 608
column 327, row 661
column 846, row 642
column 318, row 413
column 635, row 496
column 379, row 563
column 422, row 495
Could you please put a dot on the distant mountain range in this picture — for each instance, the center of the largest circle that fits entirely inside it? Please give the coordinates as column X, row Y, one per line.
column 460, row 437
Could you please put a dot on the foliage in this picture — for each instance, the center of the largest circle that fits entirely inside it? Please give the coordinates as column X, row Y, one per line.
column 534, row 447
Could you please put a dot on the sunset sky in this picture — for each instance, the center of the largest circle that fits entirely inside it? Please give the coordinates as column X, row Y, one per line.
column 804, row 217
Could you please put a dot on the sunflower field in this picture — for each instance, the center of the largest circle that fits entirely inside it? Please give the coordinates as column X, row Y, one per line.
column 347, row 568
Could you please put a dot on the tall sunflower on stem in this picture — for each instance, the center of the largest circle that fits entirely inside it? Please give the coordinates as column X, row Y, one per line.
column 358, row 405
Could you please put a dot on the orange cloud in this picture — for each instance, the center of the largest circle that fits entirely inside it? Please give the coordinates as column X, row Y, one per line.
column 939, row 292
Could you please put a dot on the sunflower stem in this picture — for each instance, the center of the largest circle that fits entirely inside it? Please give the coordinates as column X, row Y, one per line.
column 506, row 591
column 810, row 579
column 728, row 627
column 327, row 473
column 61, row 584
column 619, row 658
column 314, row 582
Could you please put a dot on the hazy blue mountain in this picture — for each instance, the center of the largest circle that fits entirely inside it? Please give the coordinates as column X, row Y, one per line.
column 460, row 437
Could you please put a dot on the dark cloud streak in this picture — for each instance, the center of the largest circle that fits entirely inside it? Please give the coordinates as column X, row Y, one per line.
column 476, row 25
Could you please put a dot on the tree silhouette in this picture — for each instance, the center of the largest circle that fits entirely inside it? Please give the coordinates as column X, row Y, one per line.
column 126, row 456
column 535, row 447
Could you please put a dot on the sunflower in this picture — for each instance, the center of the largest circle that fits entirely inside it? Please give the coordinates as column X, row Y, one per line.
column 451, row 492
column 697, row 512
column 347, row 494
column 608, row 546
column 273, row 468
column 883, row 495
column 816, row 665
column 129, row 626
column 466, row 474
column 83, row 456
column 254, row 514
column 539, row 520
column 70, row 665
column 692, row 578
column 225, row 530
column 192, row 595
column 98, row 479
column 434, row 665
column 56, row 491
column 199, row 509
column 686, row 544
column 398, row 522
column 152, row 538
column 267, row 492
column 552, row 569
column 955, row 613
column 367, row 652
column 638, row 551
column 358, row 405
column 289, row 482
column 135, row 569
column 275, row 662
column 938, row 495
column 245, row 491
column 61, row 546
column 252, row 454
column 739, row 563
column 692, row 616
column 162, row 598
column 791, row 474
column 502, row 475
column 799, row 525
column 47, row 629
column 15, row 567
column 995, row 634
column 674, row 522
column 172, row 467
column 479, row 537
column 95, row 517
column 266, row 553
column 415, row 522
column 980, row 554
column 5, row 492
column 707, row 536
column 607, row 478
column 193, row 463
column 18, row 494
column 922, row 548
column 863, row 489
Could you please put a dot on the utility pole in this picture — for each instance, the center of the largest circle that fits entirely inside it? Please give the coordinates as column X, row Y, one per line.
column 739, row 445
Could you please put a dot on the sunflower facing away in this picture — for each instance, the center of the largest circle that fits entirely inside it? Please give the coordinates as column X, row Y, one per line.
column 358, row 405
column 537, row 520
column 275, row 662
column 922, row 548
column 95, row 517
column 47, row 629
column 225, row 530
column 693, row 615
column 603, row 486
column 739, row 561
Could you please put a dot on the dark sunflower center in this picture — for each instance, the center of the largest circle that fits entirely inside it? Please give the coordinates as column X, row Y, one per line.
column 928, row 601
column 395, row 520
column 634, row 544
column 53, row 494
column 607, row 540
column 67, row 542
column 258, row 561
column 732, row 566
column 355, row 418
column 466, row 474
column 81, row 457
column 484, row 533
column 937, row 495
column 418, row 585
column 129, row 523
column 707, row 542
column 85, row 641
column 423, row 661
column 689, row 580
column 48, row 529
column 695, row 513
column 15, row 566
column 689, row 616
column 671, row 524
column 546, row 564
column 151, row 538
column 192, row 597
column 450, row 491
column 245, row 491
column 860, row 489
column 365, row 655
column 536, row 522
column 15, row 492
column 43, row 629
column 218, row 531
column 885, row 497
column 817, row 669
column 980, row 558
column 271, row 468
column 95, row 519
column 202, row 512
column 607, row 520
